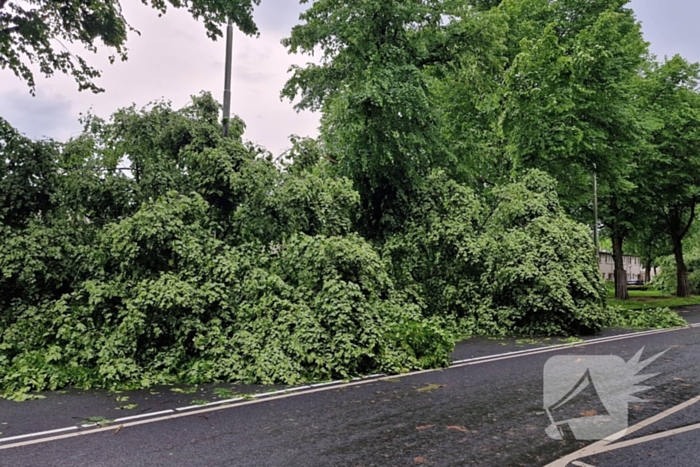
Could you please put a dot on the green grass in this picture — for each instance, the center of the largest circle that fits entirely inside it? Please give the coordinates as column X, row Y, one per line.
column 648, row 299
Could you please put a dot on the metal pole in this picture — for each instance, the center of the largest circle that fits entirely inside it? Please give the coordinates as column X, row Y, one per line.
column 595, row 212
column 227, row 78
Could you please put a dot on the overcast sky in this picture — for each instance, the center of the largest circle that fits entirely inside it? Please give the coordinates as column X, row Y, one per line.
column 174, row 59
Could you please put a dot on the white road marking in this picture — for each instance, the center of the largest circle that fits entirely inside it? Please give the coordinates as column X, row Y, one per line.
column 605, row 445
column 577, row 344
column 41, row 433
column 581, row 464
column 286, row 393
column 318, row 385
column 144, row 415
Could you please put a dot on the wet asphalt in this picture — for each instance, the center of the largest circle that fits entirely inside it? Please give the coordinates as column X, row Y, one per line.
column 486, row 414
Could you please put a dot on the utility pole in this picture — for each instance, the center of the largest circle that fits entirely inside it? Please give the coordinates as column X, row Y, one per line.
column 595, row 211
column 227, row 78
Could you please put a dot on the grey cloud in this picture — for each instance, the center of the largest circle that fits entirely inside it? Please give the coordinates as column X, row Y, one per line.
column 41, row 116
column 670, row 26
column 278, row 16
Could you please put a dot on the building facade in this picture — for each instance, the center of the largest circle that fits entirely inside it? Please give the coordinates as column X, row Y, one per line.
column 633, row 267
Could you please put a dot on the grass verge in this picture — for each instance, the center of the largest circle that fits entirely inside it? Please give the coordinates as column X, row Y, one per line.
column 650, row 299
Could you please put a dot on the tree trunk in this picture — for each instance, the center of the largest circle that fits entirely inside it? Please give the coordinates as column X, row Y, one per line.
column 620, row 273
column 683, row 285
column 647, row 272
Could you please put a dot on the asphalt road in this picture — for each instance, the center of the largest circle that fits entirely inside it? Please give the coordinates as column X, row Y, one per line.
column 483, row 413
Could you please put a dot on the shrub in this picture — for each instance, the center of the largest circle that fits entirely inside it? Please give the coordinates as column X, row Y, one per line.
column 655, row 318
column 519, row 266
column 541, row 274
column 168, row 302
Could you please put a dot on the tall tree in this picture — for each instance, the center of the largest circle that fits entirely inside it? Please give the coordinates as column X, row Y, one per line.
column 37, row 31
column 380, row 118
column 670, row 170
column 568, row 106
column 562, row 102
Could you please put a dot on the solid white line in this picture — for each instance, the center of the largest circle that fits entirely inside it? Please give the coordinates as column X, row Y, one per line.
column 188, row 407
column 660, row 416
column 208, row 404
column 41, row 433
column 225, row 401
column 597, row 340
column 188, row 411
column 581, row 464
column 318, row 385
column 282, row 391
column 540, row 350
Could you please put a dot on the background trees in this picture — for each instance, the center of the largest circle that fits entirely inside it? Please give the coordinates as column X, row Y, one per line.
column 670, row 171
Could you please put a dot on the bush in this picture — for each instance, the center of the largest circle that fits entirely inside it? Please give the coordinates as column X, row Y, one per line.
column 168, row 302
column 666, row 281
column 519, row 266
column 541, row 274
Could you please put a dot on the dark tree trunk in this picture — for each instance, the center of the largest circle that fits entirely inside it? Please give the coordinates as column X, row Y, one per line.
column 647, row 271
column 620, row 273
column 683, row 285
column 678, row 228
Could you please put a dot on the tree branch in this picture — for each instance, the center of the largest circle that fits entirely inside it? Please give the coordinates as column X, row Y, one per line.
column 690, row 219
column 9, row 30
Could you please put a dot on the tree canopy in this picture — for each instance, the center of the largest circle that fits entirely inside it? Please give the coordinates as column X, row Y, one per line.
column 206, row 261
column 380, row 118
column 670, row 171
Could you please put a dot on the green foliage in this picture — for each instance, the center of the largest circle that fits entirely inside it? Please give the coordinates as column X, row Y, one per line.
column 517, row 266
column 168, row 302
column 207, row 261
column 666, row 280
column 380, row 118
column 657, row 318
column 541, row 273
column 27, row 176
column 253, row 275
column 670, row 169
column 30, row 31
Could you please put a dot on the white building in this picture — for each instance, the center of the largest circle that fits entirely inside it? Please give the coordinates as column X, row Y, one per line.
column 633, row 267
